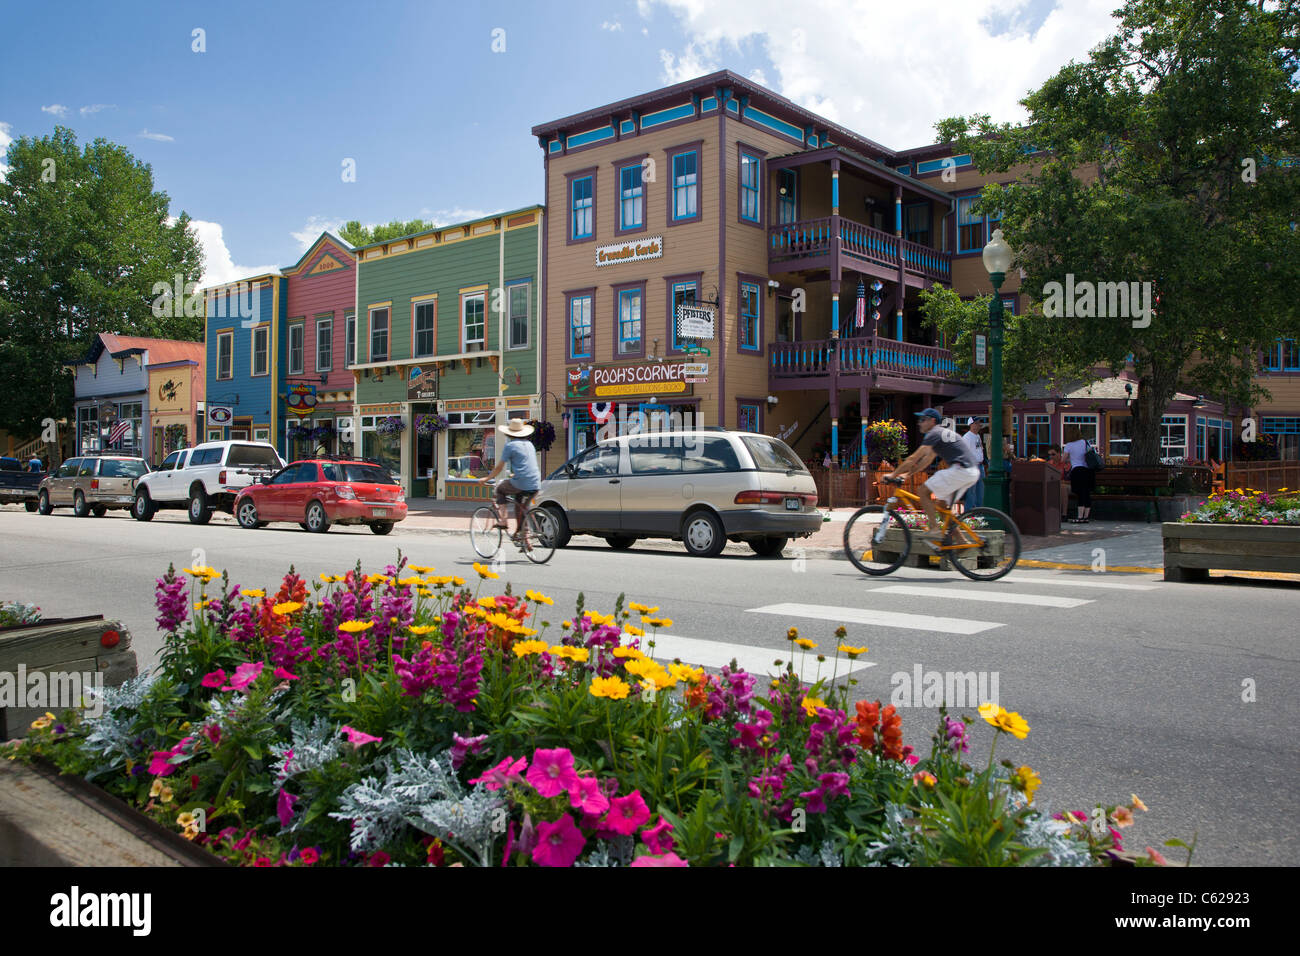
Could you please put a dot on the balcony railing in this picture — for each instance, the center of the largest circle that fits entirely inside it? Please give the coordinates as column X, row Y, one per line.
column 809, row 238
column 860, row 356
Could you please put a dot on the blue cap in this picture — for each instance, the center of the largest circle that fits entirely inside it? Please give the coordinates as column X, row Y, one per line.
column 929, row 413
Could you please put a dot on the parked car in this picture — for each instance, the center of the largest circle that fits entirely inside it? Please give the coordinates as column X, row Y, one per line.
column 204, row 478
column 92, row 484
column 702, row 488
column 17, row 484
column 320, row 492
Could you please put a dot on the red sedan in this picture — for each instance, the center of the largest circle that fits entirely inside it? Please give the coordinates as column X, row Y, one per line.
column 322, row 491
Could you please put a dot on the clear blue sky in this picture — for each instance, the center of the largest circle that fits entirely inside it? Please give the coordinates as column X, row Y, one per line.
column 249, row 136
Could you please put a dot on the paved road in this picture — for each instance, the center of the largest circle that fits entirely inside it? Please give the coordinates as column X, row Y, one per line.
column 1131, row 684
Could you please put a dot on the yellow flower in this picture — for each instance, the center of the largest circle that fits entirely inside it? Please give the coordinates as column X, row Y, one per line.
column 356, row 627
column 1122, row 817
column 578, row 654
column 421, row 629
column 1008, row 722
column 1137, row 804
column 792, row 633
column 657, row 621
column 600, row 619
column 566, row 624
column 925, row 779
column 200, row 605
column 409, row 581
column 186, row 819
column 610, row 687
column 805, row 643
column 639, row 666
column 810, row 705
column 853, row 651
column 253, row 593
column 419, row 568
column 326, row 578
column 634, row 606
column 457, row 581
column 1028, row 781
column 501, row 621
column 626, row 651
column 691, row 675
column 40, row 723
column 524, row 631
column 484, row 571
column 424, row 592
column 538, row 597
column 841, row 632
column 487, row 602
column 199, row 571
column 633, row 630
column 165, row 794
column 524, row 648
column 288, row 607
column 157, row 787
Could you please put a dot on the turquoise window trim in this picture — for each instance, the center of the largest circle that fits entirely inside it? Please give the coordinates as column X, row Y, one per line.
column 1282, row 356
column 750, row 210
column 667, row 116
column 580, row 208
column 934, row 165
column 749, row 320
column 630, row 316
column 631, row 197
column 591, row 136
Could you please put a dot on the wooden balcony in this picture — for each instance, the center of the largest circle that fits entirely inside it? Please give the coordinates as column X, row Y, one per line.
column 879, row 358
column 808, row 243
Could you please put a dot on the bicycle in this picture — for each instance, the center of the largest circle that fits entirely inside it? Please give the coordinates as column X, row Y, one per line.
column 983, row 544
column 536, row 538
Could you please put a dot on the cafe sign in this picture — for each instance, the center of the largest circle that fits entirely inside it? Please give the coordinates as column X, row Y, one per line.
column 220, row 414
column 630, row 251
column 614, row 381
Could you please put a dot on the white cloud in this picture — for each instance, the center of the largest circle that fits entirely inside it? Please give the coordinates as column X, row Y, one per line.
column 55, row 109
column 218, row 265
column 5, row 140
column 312, row 229
column 96, row 107
column 865, row 66
column 613, row 27
column 449, row 217
column 758, row 76
column 159, row 137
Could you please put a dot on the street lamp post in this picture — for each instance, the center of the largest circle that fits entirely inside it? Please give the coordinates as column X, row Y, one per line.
column 997, row 259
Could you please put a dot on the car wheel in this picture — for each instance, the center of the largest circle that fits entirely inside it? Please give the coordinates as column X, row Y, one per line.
column 142, row 509
column 620, row 542
column 769, row 547
column 381, row 527
column 703, row 535
column 303, row 525
column 29, row 505
column 200, row 510
column 246, row 514
column 317, row 520
column 99, row 510
column 79, row 506
column 43, row 505
column 562, row 533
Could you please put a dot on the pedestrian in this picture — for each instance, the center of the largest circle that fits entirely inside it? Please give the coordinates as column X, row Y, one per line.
column 1008, row 449
column 34, row 464
column 975, row 495
column 1082, row 478
column 1054, row 459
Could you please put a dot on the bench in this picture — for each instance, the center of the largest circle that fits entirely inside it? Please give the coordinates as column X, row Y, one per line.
column 1130, row 479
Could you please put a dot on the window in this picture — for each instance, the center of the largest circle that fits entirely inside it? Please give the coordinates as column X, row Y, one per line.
column 520, row 301
column 1087, row 425
column 169, row 462
column 631, row 198
column 787, row 208
column 749, row 199
column 379, row 335
column 425, row 313
column 1173, row 436
column 252, row 456
column 747, row 417
column 215, row 434
column 69, row 468
column 749, row 316
column 1284, row 429
column 580, row 327
column 350, row 339
column 712, row 454
column 206, row 456
column 629, row 321
column 970, row 227
column 1214, row 438
column 1038, row 435
column 296, row 338
column 471, row 447
column 473, row 324
column 686, row 186
column 995, row 221
column 87, row 469
column 682, row 292
column 132, row 414
column 225, row 355
column 655, row 461
column 1283, row 356
column 581, row 208
column 1120, row 440
column 261, row 349
column 324, row 345
column 87, row 428
column 598, row 462
column 916, row 223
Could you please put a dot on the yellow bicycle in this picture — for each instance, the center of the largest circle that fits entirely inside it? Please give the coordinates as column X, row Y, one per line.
column 983, row 543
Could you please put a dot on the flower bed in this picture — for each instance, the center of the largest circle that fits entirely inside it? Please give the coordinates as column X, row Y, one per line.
column 1248, row 507
column 408, row 718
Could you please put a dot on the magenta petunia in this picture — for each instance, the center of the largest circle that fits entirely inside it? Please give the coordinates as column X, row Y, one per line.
column 658, row 838
column 558, row 843
column 283, row 674
column 214, row 679
column 284, row 807
column 357, row 738
column 507, row 771
column 626, row 814
column 244, row 675
column 666, row 859
column 552, row 772
column 587, row 795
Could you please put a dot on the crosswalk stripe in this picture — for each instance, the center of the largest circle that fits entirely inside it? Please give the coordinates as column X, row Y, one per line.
column 854, row 615
column 1076, row 581
column 991, row 596
column 701, row 652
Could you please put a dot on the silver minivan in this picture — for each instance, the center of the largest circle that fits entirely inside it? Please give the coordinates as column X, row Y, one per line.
column 93, row 484
column 703, row 488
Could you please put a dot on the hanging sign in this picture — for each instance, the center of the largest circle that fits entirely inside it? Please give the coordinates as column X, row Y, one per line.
column 694, row 322
column 644, row 378
column 301, row 399
column 981, row 350
column 422, row 386
column 630, row 251
column 220, row 414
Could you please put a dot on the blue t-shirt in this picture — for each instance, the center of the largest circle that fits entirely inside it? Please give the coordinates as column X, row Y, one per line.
column 521, row 457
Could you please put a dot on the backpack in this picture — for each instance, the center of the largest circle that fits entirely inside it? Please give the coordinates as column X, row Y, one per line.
column 1093, row 460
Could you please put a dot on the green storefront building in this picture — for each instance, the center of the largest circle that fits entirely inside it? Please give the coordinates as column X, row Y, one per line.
column 447, row 333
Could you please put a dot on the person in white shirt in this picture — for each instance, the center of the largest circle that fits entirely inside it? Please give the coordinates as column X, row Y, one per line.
column 975, row 495
column 1082, row 478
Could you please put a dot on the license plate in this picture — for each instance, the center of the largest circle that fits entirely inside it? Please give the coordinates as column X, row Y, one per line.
column 793, row 504
column 379, row 511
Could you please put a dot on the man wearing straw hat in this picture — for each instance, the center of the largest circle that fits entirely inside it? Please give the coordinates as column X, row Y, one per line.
column 525, row 476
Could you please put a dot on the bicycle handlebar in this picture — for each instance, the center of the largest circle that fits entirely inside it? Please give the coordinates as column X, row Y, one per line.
column 891, row 481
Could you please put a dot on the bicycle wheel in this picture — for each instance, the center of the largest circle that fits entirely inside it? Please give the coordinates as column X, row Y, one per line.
column 876, row 540
column 993, row 544
column 543, row 531
column 484, row 534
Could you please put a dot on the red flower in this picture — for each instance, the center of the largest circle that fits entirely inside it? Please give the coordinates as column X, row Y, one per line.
column 194, row 781
column 110, row 638
column 891, row 731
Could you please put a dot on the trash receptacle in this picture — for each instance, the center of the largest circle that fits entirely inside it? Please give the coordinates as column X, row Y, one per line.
column 1036, row 493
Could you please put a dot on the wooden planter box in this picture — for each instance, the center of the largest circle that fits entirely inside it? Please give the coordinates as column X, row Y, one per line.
column 1192, row 549
column 922, row 557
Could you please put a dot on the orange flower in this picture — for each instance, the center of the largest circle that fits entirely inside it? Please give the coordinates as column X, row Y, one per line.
column 891, row 732
column 868, row 717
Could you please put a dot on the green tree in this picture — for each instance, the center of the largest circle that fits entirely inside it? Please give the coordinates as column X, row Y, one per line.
column 359, row 235
column 84, row 239
column 1166, row 162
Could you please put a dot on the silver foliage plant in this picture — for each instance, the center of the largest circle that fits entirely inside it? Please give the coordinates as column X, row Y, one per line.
column 423, row 792
column 111, row 736
column 311, row 746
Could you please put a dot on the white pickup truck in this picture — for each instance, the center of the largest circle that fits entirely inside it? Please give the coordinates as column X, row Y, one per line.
column 204, row 478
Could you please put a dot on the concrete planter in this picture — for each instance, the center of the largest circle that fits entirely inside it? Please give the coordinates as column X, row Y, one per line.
column 922, row 557
column 1191, row 550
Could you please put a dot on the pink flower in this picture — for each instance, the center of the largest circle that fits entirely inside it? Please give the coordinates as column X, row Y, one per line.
column 283, row 674
column 245, row 674
column 552, row 772
column 1156, row 857
column 378, row 858
column 213, row 733
column 357, row 739
column 658, row 838
column 912, row 760
column 214, row 679
column 161, row 765
column 308, row 856
column 626, row 814
column 284, row 807
column 558, row 843
column 507, row 771
column 587, row 795
column 667, row 859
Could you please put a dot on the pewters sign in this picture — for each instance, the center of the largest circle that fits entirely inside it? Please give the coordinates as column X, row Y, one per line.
column 694, row 322
column 630, row 251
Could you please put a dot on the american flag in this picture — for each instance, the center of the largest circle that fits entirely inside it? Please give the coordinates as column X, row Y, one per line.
column 118, row 432
column 860, row 310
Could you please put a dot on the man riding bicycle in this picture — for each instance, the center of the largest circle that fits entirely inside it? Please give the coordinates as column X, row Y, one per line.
column 526, row 476
column 949, row 484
